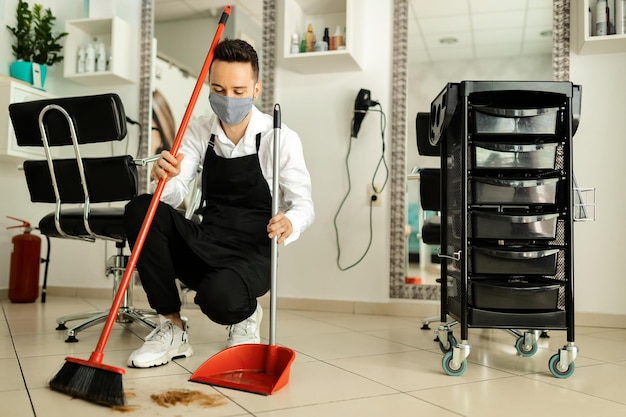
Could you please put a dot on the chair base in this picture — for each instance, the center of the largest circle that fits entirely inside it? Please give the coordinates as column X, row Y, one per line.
column 115, row 266
column 92, row 318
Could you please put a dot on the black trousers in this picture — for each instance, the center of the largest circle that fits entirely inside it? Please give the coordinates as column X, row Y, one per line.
column 221, row 293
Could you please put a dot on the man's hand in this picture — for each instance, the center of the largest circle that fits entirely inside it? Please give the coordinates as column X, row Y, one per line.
column 166, row 165
column 280, row 226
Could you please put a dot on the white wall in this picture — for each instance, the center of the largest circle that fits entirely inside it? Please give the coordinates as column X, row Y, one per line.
column 73, row 264
column 319, row 107
column 599, row 152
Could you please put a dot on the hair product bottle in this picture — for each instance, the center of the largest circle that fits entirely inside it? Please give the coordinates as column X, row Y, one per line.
column 601, row 18
column 309, row 39
column 90, row 58
column 80, row 61
column 101, row 56
column 338, row 38
column 326, row 38
column 620, row 17
column 295, row 44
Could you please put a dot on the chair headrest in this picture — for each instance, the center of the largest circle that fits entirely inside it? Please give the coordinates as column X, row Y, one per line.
column 97, row 118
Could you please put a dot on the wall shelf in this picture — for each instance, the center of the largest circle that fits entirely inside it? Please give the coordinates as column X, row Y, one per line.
column 586, row 43
column 296, row 16
column 121, row 45
column 14, row 91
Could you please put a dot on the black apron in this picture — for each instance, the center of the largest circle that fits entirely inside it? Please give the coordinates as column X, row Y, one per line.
column 237, row 208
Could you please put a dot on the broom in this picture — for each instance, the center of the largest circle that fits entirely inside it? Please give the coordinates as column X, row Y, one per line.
column 91, row 379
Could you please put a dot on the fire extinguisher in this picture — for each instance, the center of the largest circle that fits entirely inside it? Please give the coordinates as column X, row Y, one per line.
column 25, row 260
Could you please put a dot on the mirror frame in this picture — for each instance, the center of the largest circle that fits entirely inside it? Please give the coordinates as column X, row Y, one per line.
column 397, row 248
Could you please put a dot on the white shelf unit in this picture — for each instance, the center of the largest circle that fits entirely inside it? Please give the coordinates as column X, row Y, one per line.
column 586, row 43
column 298, row 14
column 121, row 44
column 14, row 91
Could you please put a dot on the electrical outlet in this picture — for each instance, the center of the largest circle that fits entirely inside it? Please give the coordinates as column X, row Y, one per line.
column 373, row 197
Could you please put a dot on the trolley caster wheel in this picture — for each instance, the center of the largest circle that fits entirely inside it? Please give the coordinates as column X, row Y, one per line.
column 553, row 365
column 71, row 339
column 451, row 343
column 61, row 326
column 446, row 364
column 523, row 350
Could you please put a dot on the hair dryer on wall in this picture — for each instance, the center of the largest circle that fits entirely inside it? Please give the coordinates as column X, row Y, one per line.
column 361, row 104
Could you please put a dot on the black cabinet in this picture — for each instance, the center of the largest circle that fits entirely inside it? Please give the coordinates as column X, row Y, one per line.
column 507, row 212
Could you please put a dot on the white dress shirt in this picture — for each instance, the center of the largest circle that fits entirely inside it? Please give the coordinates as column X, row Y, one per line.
column 294, row 183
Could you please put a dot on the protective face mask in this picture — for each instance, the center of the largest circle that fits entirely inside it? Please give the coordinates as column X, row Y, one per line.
column 230, row 110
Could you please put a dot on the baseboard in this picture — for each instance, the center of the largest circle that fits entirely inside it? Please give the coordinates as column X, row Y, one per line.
column 400, row 308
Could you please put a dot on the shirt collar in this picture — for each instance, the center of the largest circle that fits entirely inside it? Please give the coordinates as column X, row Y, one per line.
column 255, row 126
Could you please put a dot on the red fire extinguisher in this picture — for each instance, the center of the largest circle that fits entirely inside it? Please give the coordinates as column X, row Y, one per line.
column 25, row 260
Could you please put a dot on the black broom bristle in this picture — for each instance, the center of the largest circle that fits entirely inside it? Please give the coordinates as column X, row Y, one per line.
column 89, row 383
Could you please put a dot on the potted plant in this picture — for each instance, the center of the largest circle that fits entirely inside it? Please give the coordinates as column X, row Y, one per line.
column 35, row 43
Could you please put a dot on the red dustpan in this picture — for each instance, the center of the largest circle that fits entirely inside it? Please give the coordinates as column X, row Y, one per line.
column 261, row 369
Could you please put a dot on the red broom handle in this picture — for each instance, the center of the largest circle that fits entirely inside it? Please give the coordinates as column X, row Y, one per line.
column 97, row 354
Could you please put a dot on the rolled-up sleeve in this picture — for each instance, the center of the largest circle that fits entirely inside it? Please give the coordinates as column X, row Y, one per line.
column 295, row 185
column 177, row 188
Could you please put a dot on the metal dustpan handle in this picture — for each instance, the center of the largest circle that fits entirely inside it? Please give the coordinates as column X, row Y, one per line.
column 274, row 246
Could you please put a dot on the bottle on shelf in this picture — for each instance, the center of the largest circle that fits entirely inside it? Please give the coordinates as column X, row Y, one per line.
column 620, row 17
column 309, row 39
column 80, row 61
column 326, row 38
column 90, row 58
column 338, row 39
column 101, row 56
column 295, row 44
column 601, row 21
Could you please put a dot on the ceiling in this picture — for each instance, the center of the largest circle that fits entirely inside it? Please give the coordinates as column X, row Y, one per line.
column 166, row 10
column 482, row 28
column 472, row 28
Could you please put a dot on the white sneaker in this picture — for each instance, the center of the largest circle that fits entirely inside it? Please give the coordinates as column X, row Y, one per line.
column 164, row 343
column 246, row 331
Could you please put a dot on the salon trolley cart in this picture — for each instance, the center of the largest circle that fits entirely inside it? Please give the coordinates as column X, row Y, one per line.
column 508, row 205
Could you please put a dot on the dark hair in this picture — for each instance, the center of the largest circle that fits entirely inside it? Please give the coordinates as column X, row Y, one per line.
column 237, row 50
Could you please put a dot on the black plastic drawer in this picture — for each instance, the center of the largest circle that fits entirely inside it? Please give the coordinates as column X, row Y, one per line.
column 534, row 156
column 526, row 293
column 514, row 260
column 514, row 191
column 491, row 120
column 495, row 225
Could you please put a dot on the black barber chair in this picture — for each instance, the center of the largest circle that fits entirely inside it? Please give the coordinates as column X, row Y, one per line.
column 89, row 192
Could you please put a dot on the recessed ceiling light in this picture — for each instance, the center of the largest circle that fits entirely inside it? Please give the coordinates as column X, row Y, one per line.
column 448, row 40
column 546, row 33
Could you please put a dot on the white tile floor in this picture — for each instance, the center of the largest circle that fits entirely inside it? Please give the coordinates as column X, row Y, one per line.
column 358, row 365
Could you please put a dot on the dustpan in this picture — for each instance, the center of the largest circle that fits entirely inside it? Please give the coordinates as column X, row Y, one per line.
column 256, row 368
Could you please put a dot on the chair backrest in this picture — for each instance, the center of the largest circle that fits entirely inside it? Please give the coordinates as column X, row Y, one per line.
column 422, row 128
column 430, row 189
column 107, row 179
column 98, row 118
column 71, row 122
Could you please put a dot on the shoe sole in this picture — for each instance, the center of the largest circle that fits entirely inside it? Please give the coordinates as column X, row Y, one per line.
column 164, row 360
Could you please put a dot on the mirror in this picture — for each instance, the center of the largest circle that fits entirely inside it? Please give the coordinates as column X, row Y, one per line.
column 179, row 23
column 479, row 40
column 401, row 139
column 172, row 23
